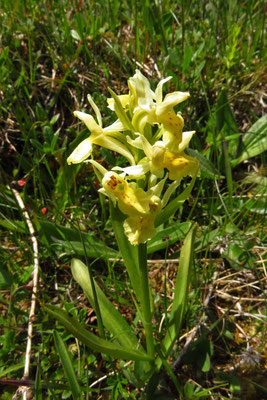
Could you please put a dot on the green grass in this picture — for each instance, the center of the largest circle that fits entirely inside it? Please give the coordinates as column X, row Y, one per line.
column 51, row 57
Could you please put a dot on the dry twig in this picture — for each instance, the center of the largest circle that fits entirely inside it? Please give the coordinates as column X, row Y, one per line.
column 24, row 390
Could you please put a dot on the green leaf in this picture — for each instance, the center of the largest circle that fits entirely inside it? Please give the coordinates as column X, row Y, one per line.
column 67, row 366
column 199, row 353
column 121, row 112
column 206, row 363
column 167, row 236
column 5, row 277
column 189, row 389
column 224, row 115
column 206, row 165
column 38, row 383
column 188, row 52
column 254, row 142
column 173, row 206
column 228, row 171
column 92, row 341
column 128, row 252
column 10, row 370
column 61, row 193
column 205, row 238
column 235, row 385
column 92, row 248
column 199, row 67
column 180, row 291
column 112, row 319
column 54, row 119
column 226, row 126
column 73, row 241
column 14, row 225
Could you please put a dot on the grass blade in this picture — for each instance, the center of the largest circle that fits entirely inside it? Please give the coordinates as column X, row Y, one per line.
column 67, row 366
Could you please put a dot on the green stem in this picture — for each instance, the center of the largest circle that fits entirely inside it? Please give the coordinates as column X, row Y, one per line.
column 145, row 303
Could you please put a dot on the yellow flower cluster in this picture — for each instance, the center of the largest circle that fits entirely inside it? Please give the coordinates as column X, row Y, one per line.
column 137, row 188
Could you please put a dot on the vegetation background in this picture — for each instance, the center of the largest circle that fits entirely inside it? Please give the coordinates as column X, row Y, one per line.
column 52, row 54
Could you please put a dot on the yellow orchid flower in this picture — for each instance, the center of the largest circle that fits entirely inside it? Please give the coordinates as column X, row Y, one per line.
column 180, row 165
column 140, row 228
column 131, row 199
column 158, row 157
column 150, row 108
column 104, row 137
column 147, row 106
column 141, row 207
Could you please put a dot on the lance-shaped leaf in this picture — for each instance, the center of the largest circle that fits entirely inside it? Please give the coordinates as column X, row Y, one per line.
column 173, row 206
column 180, row 292
column 73, row 241
column 254, row 142
column 206, row 165
column 112, row 319
column 167, row 236
column 128, row 251
column 67, row 366
column 92, row 341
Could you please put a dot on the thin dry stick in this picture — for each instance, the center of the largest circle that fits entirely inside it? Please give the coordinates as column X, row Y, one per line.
column 34, row 288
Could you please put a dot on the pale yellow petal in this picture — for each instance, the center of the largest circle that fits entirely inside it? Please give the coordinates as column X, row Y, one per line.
column 124, row 99
column 96, row 109
column 136, row 171
column 131, row 201
column 117, row 126
column 89, row 122
column 81, row 153
column 115, row 145
column 180, row 166
column 140, row 228
column 171, row 100
column 186, row 137
column 158, row 91
column 140, row 86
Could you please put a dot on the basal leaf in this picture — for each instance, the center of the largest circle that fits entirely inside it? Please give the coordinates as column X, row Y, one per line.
column 206, row 165
column 167, row 236
column 66, row 361
column 111, row 317
column 92, row 341
column 254, row 142
column 180, row 291
column 72, row 241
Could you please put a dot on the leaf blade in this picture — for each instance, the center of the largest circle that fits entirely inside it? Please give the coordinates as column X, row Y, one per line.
column 111, row 317
column 67, row 366
column 180, row 291
column 92, row 341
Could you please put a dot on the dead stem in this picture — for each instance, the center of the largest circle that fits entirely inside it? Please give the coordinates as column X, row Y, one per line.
column 34, row 290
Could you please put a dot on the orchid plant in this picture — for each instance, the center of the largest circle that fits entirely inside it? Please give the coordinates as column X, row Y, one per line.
column 148, row 133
